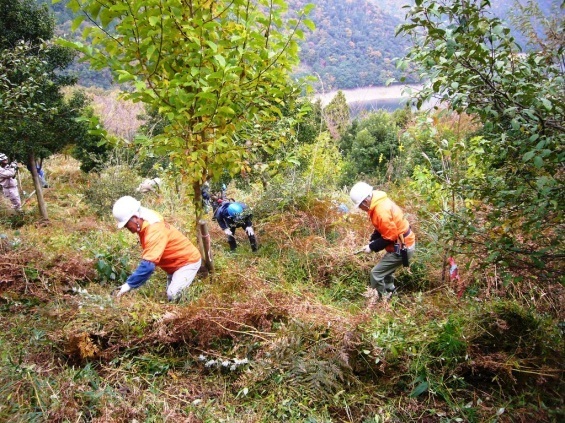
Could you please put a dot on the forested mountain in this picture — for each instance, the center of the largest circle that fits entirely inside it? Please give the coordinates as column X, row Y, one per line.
column 353, row 45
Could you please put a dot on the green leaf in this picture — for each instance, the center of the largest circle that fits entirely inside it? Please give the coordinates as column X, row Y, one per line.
column 528, row 156
column 124, row 76
column 309, row 24
column 546, row 103
column 105, row 17
column 77, row 21
column 538, row 162
column 212, row 45
column 420, row 389
column 221, row 60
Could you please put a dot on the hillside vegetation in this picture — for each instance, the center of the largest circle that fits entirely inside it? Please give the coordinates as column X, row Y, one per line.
column 282, row 335
column 291, row 332
column 353, row 45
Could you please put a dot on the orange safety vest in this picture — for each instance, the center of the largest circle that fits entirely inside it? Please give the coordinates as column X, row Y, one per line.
column 166, row 246
column 388, row 219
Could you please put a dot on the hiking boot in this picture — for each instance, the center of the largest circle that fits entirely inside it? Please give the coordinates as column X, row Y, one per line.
column 392, row 290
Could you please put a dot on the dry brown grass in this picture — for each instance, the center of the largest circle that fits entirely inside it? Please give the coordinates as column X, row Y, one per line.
column 29, row 272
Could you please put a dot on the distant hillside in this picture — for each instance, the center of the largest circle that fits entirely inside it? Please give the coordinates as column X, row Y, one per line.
column 353, row 45
column 500, row 8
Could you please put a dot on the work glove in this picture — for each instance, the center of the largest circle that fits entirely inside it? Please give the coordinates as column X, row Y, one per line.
column 249, row 231
column 367, row 249
column 123, row 289
column 375, row 235
column 228, row 232
column 14, row 165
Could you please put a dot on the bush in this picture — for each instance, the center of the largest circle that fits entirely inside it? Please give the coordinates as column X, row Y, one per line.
column 111, row 184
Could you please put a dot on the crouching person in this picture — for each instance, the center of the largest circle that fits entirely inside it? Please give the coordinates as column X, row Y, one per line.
column 233, row 215
column 163, row 246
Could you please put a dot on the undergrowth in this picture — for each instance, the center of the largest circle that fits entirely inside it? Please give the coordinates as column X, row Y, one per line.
column 284, row 334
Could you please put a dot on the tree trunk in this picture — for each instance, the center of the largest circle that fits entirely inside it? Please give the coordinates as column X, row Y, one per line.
column 207, row 245
column 203, row 236
column 38, row 187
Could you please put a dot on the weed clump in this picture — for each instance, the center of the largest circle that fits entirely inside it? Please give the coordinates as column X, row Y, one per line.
column 307, row 359
column 513, row 347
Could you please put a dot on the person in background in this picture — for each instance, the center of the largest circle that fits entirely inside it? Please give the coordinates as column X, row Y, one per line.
column 8, row 181
column 231, row 215
column 206, row 198
column 163, row 246
column 149, row 185
column 392, row 233
column 40, row 173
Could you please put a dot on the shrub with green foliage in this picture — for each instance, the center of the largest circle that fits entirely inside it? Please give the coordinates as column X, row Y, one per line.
column 369, row 151
column 112, row 183
column 512, row 179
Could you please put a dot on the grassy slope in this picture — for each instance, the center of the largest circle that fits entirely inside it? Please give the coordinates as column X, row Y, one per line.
column 283, row 335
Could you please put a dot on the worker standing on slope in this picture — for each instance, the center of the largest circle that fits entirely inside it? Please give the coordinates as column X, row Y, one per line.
column 8, row 181
column 392, row 233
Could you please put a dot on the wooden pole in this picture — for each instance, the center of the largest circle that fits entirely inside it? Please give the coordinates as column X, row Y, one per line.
column 208, row 260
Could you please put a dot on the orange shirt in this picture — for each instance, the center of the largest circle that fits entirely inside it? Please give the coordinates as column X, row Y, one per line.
column 388, row 219
column 166, row 246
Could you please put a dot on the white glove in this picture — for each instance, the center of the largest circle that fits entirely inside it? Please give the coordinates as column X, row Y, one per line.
column 228, row 232
column 367, row 249
column 123, row 289
column 249, row 231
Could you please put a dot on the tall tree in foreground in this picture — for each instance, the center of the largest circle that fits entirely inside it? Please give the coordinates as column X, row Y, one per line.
column 208, row 66
column 41, row 122
column 21, row 76
column 472, row 65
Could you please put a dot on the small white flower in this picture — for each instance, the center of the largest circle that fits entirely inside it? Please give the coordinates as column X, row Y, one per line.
column 210, row 363
column 226, row 363
column 202, row 357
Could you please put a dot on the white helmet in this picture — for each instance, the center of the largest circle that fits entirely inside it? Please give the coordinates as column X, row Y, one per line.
column 3, row 157
column 124, row 209
column 359, row 192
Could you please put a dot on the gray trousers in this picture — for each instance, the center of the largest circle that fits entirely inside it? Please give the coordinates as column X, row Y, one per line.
column 13, row 195
column 382, row 278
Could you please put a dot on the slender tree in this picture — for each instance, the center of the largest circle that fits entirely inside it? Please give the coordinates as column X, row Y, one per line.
column 337, row 115
column 208, row 66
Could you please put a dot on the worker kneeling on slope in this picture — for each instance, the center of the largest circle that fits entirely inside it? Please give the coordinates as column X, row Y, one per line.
column 163, row 246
